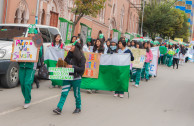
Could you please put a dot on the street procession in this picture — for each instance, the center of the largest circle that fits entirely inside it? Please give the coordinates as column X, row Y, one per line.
column 93, row 58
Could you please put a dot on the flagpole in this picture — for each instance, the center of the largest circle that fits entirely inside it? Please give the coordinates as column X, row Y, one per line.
column 37, row 8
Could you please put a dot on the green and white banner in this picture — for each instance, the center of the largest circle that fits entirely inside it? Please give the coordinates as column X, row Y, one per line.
column 113, row 74
column 50, row 59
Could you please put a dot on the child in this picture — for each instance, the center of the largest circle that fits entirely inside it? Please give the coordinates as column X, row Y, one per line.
column 136, row 72
column 149, row 57
column 76, row 60
column 123, row 49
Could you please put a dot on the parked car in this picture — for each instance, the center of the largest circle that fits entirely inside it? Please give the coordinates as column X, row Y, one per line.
column 9, row 71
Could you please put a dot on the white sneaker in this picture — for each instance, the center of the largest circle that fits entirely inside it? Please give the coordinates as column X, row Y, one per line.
column 136, row 86
column 89, row 91
column 121, row 95
column 116, row 95
column 26, row 106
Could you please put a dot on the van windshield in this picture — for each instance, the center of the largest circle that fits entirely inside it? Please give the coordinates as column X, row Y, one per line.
column 7, row 33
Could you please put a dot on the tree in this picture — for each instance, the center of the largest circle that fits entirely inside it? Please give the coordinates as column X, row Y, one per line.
column 87, row 7
column 163, row 19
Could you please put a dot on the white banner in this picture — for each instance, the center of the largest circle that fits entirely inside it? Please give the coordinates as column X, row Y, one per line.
column 154, row 63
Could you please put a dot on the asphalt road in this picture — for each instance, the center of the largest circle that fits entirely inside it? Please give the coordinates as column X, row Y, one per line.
column 167, row 100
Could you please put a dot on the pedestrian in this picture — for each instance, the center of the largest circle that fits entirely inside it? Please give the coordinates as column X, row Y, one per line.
column 114, row 46
column 101, row 36
column 57, row 43
column 170, row 54
column 107, row 49
column 123, row 49
column 27, row 72
column 149, row 57
column 75, row 59
column 182, row 54
column 132, row 44
column 98, row 47
column 128, row 44
column 73, row 39
column 136, row 72
column 86, row 47
column 176, row 56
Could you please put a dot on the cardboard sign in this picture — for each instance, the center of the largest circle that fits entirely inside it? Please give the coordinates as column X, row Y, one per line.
column 92, row 65
column 37, row 39
column 60, row 73
column 24, row 50
column 139, row 57
column 154, row 63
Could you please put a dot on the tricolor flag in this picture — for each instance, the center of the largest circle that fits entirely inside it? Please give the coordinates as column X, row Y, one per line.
column 113, row 74
column 50, row 59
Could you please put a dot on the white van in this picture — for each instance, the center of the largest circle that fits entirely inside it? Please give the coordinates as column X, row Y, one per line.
column 9, row 71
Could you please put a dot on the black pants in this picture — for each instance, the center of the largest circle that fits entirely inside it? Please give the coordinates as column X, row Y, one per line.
column 175, row 61
column 186, row 59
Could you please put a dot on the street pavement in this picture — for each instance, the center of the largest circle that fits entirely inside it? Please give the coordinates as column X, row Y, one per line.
column 167, row 100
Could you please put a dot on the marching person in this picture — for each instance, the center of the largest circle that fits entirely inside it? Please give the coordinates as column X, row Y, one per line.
column 136, row 72
column 149, row 57
column 58, row 44
column 73, row 39
column 176, row 56
column 123, row 49
column 27, row 72
column 182, row 54
column 75, row 59
column 98, row 47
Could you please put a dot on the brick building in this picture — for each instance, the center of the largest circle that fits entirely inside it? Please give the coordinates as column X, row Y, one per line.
column 117, row 14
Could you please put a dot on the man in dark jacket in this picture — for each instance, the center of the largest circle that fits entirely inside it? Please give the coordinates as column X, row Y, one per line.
column 75, row 59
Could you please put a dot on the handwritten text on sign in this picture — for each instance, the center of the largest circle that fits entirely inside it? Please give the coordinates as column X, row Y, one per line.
column 60, row 73
column 24, row 50
column 92, row 65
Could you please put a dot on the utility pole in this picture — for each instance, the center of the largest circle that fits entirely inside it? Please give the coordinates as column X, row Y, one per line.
column 142, row 18
column 37, row 8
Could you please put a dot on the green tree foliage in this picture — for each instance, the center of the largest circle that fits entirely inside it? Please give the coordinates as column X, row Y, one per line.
column 87, row 7
column 162, row 18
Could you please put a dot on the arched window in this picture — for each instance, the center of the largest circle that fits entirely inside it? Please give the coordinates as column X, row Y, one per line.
column 113, row 9
column 22, row 13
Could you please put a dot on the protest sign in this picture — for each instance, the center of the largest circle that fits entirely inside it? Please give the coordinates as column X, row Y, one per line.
column 60, row 73
column 24, row 50
column 154, row 63
column 139, row 57
column 92, row 65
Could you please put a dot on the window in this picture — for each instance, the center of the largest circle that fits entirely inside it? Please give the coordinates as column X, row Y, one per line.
column 122, row 18
column 45, row 35
column 53, row 32
column 7, row 33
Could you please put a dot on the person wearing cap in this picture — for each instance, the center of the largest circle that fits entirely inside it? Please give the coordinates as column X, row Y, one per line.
column 123, row 49
column 27, row 72
column 75, row 59
column 101, row 36
column 149, row 58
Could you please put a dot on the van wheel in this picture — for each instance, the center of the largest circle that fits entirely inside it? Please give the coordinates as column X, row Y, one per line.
column 11, row 78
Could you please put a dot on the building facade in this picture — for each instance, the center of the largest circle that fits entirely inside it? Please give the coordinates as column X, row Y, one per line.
column 122, row 15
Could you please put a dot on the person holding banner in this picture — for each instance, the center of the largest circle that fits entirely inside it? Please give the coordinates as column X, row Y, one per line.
column 75, row 59
column 136, row 72
column 123, row 49
column 149, row 57
column 132, row 44
column 57, row 43
column 113, row 46
column 73, row 39
column 27, row 72
column 98, row 47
